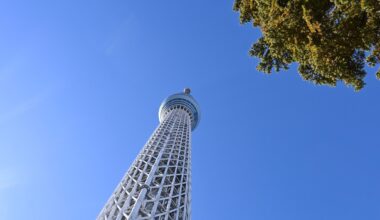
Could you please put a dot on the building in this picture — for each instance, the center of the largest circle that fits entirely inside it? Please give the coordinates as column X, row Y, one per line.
column 158, row 184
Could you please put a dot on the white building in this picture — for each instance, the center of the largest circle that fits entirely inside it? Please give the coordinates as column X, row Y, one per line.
column 158, row 184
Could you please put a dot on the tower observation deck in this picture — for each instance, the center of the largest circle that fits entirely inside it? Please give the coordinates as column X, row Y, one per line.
column 158, row 183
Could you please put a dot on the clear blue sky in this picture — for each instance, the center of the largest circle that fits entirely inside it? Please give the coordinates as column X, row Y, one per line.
column 80, row 87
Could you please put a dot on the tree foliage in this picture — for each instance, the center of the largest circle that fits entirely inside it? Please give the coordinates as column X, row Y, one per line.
column 332, row 40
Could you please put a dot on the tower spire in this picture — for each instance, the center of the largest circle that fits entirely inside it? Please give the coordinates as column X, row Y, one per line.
column 187, row 91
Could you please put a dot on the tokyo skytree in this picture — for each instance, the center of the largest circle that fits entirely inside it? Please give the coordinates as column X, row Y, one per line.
column 158, row 184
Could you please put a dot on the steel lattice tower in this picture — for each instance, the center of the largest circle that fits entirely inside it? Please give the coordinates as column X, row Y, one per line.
column 158, row 184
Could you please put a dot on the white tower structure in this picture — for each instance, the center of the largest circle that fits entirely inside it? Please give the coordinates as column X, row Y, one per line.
column 158, row 184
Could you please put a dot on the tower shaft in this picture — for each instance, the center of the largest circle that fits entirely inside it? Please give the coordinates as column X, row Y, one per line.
column 158, row 184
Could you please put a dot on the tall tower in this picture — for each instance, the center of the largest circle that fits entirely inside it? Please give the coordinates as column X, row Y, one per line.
column 158, row 184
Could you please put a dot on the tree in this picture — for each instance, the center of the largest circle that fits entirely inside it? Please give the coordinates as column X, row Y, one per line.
column 332, row 40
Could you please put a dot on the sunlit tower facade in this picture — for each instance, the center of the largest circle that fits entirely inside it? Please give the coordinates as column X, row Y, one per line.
column 158, row 184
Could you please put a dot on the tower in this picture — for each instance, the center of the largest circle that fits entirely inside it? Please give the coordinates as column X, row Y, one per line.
column 158, row 184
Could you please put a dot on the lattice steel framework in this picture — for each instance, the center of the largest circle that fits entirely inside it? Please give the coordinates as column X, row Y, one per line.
column 158, row 184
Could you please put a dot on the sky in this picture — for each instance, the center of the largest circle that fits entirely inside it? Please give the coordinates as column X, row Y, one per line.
column 80, row 87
